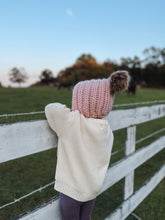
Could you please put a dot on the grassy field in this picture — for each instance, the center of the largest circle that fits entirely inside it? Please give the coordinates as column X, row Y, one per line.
column 21, row 176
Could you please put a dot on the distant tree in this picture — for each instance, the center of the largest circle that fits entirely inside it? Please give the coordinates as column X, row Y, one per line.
column 153, row 71
column 46, row 76
column 153, row 55
column 17, row 75
column 0, row 84
column 161, row 75
column 133, row 65
column 162, row 53
column 84, row 68
column 135, row 62
column 129, row 63
column 125, row 62
column 110, row 66
column 87, row 59
column 150, row 70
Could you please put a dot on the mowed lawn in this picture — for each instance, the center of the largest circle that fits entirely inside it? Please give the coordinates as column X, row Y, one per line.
column 21, row 176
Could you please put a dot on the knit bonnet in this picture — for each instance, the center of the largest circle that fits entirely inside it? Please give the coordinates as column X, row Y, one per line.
column 94, row 98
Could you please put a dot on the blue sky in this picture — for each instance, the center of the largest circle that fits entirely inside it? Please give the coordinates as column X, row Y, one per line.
column 39, row 34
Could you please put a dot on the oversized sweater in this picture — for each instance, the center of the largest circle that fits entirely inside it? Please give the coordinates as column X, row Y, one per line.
column 83, row 153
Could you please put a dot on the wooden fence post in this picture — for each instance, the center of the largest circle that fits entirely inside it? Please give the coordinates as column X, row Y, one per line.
column 129, row 149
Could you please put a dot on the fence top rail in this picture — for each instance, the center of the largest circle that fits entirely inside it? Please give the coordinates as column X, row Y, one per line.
column 124, row 118
column 117, row 105
column 20, row 139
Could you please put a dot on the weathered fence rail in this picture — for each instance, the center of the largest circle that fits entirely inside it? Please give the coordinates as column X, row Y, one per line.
column 24, row 138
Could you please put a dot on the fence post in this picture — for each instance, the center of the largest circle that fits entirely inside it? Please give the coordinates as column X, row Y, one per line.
column 129, row 149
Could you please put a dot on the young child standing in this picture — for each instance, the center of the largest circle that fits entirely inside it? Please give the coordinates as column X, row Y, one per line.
column 84, row 143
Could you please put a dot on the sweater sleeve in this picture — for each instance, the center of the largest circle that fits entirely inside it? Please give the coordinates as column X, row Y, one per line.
column 57, row 116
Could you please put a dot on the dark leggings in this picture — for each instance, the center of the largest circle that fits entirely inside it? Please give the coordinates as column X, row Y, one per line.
column 72, row 209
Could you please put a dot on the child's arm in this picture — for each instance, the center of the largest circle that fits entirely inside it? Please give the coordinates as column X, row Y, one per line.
column 57, row 116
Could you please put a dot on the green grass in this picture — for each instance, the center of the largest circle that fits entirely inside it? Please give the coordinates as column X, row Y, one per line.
column 21, row 176
column 21, row 100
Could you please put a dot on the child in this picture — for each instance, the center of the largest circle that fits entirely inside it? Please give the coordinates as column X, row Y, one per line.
column 84, row 143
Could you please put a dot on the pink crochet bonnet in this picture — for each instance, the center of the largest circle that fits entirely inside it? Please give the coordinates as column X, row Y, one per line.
column 94, row 98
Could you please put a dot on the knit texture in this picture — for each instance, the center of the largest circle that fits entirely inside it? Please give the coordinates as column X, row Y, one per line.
column 92, row 98
column 84, row 151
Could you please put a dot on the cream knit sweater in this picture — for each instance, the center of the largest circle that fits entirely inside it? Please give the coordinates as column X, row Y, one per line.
column 83, row 153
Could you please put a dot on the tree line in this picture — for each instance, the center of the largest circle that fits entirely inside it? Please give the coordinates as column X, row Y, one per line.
column 147, row 72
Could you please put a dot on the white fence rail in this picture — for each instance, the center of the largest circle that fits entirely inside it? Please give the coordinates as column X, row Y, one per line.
column 24, row 138
column 120, row 105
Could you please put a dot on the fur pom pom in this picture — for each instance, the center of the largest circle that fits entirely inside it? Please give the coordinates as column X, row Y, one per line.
column 119, row 81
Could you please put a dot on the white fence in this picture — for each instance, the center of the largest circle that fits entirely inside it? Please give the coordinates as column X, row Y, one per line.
column 34, row 136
